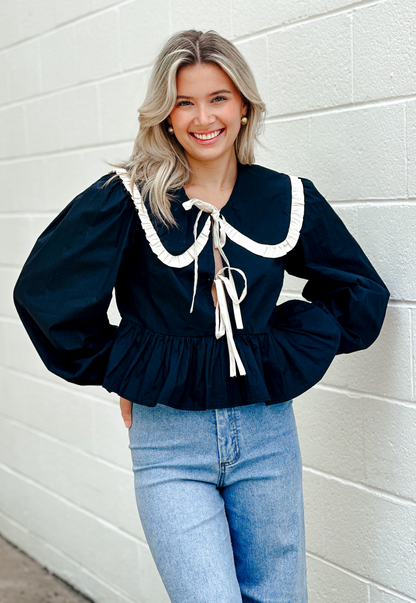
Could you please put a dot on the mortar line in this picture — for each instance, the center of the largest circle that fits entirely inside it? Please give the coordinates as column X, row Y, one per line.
column 342, row 108
column 363, row 579
column 352, row 57
column 64, row 25
column 73, row 87
column 412, row 368
column 99, row 579
column 61, row 153
column 56, row 440
column 266, row 31
column 58, row 385
column 69, row 502
column 350, row 106
column 366, row 395
column 388, row 496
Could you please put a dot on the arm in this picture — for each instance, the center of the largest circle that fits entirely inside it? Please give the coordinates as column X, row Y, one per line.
column 65, row 286
column 341, row 279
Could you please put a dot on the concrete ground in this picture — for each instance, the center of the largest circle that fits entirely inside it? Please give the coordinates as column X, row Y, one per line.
column 22, row 580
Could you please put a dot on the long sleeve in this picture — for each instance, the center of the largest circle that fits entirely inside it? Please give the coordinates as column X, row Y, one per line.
column 340, row 278
column 64, row 289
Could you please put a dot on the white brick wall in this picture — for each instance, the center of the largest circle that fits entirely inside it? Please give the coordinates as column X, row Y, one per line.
column 339, row 81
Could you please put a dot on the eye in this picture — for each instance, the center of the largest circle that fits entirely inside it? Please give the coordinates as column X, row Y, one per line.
column 182, row 103
column 220, row 98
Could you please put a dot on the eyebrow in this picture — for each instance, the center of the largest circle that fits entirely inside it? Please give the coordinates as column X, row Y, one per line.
column 212, row 94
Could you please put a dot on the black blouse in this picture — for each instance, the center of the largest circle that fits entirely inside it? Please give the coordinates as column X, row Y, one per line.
column 173, row 346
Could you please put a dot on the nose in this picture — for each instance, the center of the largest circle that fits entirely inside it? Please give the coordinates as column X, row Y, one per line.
column 203, row 117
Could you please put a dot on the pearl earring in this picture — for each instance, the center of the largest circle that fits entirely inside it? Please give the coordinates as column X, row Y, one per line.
column 171, row 130
column 244, row 120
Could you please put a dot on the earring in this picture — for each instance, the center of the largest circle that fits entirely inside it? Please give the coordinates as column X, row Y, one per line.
column 171, row 130
column 244, row 120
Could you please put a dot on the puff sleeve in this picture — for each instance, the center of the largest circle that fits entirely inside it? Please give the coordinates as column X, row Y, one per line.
column 340, row 278
column 65, row 286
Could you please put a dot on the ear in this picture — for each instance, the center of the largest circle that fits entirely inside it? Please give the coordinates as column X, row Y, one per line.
column 169, row 120
column 245, row 109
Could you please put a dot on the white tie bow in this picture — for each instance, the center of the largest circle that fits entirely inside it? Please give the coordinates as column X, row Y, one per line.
column 222, row 283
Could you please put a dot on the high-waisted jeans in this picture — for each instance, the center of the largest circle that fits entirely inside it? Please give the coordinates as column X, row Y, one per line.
column 219, row 494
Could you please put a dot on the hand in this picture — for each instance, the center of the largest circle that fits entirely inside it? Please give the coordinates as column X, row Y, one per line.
column 125, row 406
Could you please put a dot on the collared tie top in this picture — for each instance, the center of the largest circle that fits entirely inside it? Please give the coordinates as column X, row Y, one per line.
column 222, row 283
column 172, row 346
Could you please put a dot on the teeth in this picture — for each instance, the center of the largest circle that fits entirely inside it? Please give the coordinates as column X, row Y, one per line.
column 207, row 136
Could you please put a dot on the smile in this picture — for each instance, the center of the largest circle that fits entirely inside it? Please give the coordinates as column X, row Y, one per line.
column 209, row 136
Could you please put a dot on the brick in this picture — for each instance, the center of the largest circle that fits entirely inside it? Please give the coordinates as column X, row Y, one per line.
column 7, row 186
column 59, row 57
column 255, row 53
column 377, row 595
column 202, row 16
column 98, row 54
column 82, row 479
column 24, row 66
column 22, row 185
column 15, row 240
column 20, row 353
column 120, row 99
column 413, row 322
column 13, row 141
column 387, row 232
column 49, row 408
column 43, row 125
column 370, row 535
column 10, row 25
column 324, row 6
column 65, row 178
column 361, row 153
column 36, row 18
column 63, row 121
column 144, row 32
column 97, row 162
column 385, row 368
column 111, row 438
column 314, row 512
column 286, row 147
column 249, row 17
column 390, row 447
column 384, row 59
column 78, row 118
column 327, row 584
column 4, row 78
column 68, row 11
column 8, row 278
column 331, row 433
column 310, row 66
column 93, row 543
column 411, row 147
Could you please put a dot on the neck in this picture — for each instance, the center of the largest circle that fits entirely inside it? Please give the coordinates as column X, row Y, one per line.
column 214, row 175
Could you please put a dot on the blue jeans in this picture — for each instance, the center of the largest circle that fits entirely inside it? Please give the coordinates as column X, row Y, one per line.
column 219, row 494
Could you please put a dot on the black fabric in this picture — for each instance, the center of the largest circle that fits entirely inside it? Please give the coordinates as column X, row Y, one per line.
column 162, row 353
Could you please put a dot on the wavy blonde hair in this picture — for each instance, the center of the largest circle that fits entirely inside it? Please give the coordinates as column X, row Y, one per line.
column 158, row 162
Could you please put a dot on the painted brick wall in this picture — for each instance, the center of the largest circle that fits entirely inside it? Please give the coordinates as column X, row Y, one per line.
column 339, row 81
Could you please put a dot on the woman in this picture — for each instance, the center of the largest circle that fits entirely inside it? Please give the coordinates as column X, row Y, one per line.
column 195, row 238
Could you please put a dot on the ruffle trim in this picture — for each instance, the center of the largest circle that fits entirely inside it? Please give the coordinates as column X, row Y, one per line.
column 188, row 256
column 174, row 261
column 296, row 221
column 191, row 373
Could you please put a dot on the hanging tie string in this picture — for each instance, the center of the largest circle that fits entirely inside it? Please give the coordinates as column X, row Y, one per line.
column 222, row 283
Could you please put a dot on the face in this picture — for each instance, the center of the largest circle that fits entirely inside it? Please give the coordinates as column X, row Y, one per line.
column 207, row 114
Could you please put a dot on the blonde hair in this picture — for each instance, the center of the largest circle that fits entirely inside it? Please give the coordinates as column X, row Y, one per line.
column 158, row 162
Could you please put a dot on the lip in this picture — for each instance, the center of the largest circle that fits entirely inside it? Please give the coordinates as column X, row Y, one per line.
column 211, row 140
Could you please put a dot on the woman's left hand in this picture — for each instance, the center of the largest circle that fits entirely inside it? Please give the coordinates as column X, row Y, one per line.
column 126, row 406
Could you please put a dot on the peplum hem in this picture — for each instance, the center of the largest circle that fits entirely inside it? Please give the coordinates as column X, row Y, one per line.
column 192, row 372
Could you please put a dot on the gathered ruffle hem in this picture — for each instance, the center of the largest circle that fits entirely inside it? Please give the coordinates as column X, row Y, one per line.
column 192, row 372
